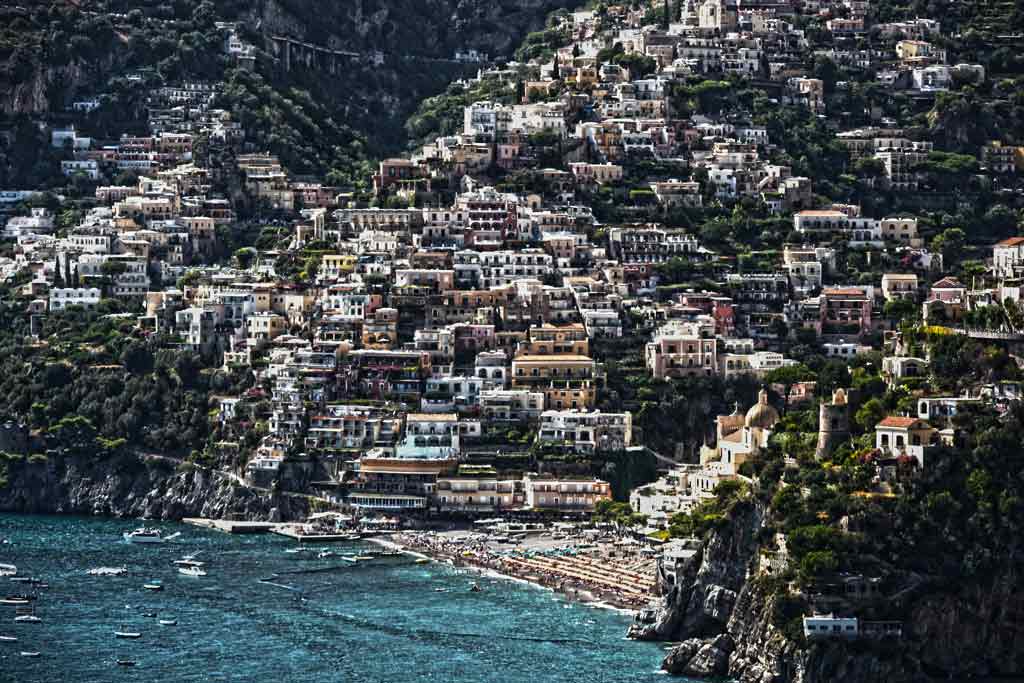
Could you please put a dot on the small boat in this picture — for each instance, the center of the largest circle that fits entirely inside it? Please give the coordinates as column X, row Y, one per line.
column 350, row 558
column 440, row 590
column 363, row 557
column 13, row 601
column 191, row 571
column 188, row 562
column 23, row 579
column 149, row 615
column 29, row 654
column 422, row 560
column 168, row 622
column 108, row 571
column 125, row 662
column 28, row 619
column 143, row 535
column 153, row 586
column 132, row 635
column 295, row 550
column 8, row 639
column 324, row 554
column 475, row 588
column 8, row 570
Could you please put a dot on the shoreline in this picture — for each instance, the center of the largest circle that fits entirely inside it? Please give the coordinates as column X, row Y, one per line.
column 583, row 595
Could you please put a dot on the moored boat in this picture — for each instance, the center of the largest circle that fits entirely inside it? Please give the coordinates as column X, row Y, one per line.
column 168, row 622
column 125, row 662
column 28, row 619
column 8, row 639
column 153, row 586
column 8, row 570
column 143, row 535
column 191, row 571
column 132, row 635
column 13, row 601
column 29, row 654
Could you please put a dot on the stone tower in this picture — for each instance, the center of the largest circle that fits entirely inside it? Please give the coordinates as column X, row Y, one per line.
column 833, row 423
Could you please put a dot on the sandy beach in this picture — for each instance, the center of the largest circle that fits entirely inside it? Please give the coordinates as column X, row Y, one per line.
column 602, row 571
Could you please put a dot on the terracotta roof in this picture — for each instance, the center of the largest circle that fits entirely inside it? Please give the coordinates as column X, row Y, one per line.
column 948, row 283
column 896, row 421
column 1012, row 242
column 844, row 291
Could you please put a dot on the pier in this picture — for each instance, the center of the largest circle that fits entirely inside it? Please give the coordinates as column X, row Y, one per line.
column 232, row 527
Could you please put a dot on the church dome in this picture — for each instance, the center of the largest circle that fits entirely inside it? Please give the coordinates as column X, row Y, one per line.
column 761, row 414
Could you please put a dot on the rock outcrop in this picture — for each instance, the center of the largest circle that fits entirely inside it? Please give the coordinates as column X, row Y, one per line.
column 133, row 486
column 724, row 619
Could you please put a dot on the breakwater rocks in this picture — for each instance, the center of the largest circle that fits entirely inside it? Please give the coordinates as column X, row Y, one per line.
column 131, row 485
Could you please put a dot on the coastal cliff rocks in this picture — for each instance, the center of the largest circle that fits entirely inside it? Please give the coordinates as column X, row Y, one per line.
column 699, row 658
column 724, row 618
column 128, row 486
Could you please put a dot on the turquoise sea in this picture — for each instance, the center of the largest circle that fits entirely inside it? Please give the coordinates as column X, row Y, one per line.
column 387, row 620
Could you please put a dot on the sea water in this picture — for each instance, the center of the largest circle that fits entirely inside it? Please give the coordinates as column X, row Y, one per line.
column 387, row 620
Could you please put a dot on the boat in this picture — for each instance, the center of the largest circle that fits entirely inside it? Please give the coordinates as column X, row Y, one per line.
column 324, row 554
column 143, row 535
column 350, row 558
column 153, row 586
column 168, row 622
column 28, row 619
column 422, row 560
column 191, row 571
column 108, row 571
column 29, row 654
column 149, row 615
column 363, row 557
column 189, row 562
column 13, row 601
column 8, row 570
column 127, row 634
column 475, row 588
column 8, row 639
column 22, row 579
column 295, row 550
column 125, row 662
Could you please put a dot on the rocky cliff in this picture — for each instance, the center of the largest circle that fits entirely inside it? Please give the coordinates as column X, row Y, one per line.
column 129, row 486
column 728, row 624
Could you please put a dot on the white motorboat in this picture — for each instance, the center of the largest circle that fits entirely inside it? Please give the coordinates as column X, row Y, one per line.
column 8, row 639
column 168, row 622
column 154, row 586
column 324, row 554
column 8, row 570
column 188, row 562
column 127, row 634
column 29, row 654
column 191, row 571
column 14, row 601
column 143, row 535
column 28, row 619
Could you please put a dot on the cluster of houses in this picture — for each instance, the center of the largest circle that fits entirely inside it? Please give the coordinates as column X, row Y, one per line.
column 431, row 343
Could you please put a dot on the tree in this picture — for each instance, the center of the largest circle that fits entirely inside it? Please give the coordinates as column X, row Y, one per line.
column 901, row 309
column 870, row 414
column 950, row 243
column 137, row 358
column 245, row 257
column 787, row 376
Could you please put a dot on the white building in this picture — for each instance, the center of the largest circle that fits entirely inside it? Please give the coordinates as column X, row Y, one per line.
column 62, row 298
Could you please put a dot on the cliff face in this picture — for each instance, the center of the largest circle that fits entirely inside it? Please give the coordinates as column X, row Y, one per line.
column 724, row 620
column 126, row 486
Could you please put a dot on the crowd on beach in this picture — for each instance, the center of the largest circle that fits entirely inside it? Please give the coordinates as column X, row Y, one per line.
column 594, row 572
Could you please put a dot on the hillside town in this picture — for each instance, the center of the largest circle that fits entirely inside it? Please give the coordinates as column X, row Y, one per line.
column 612, row 275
